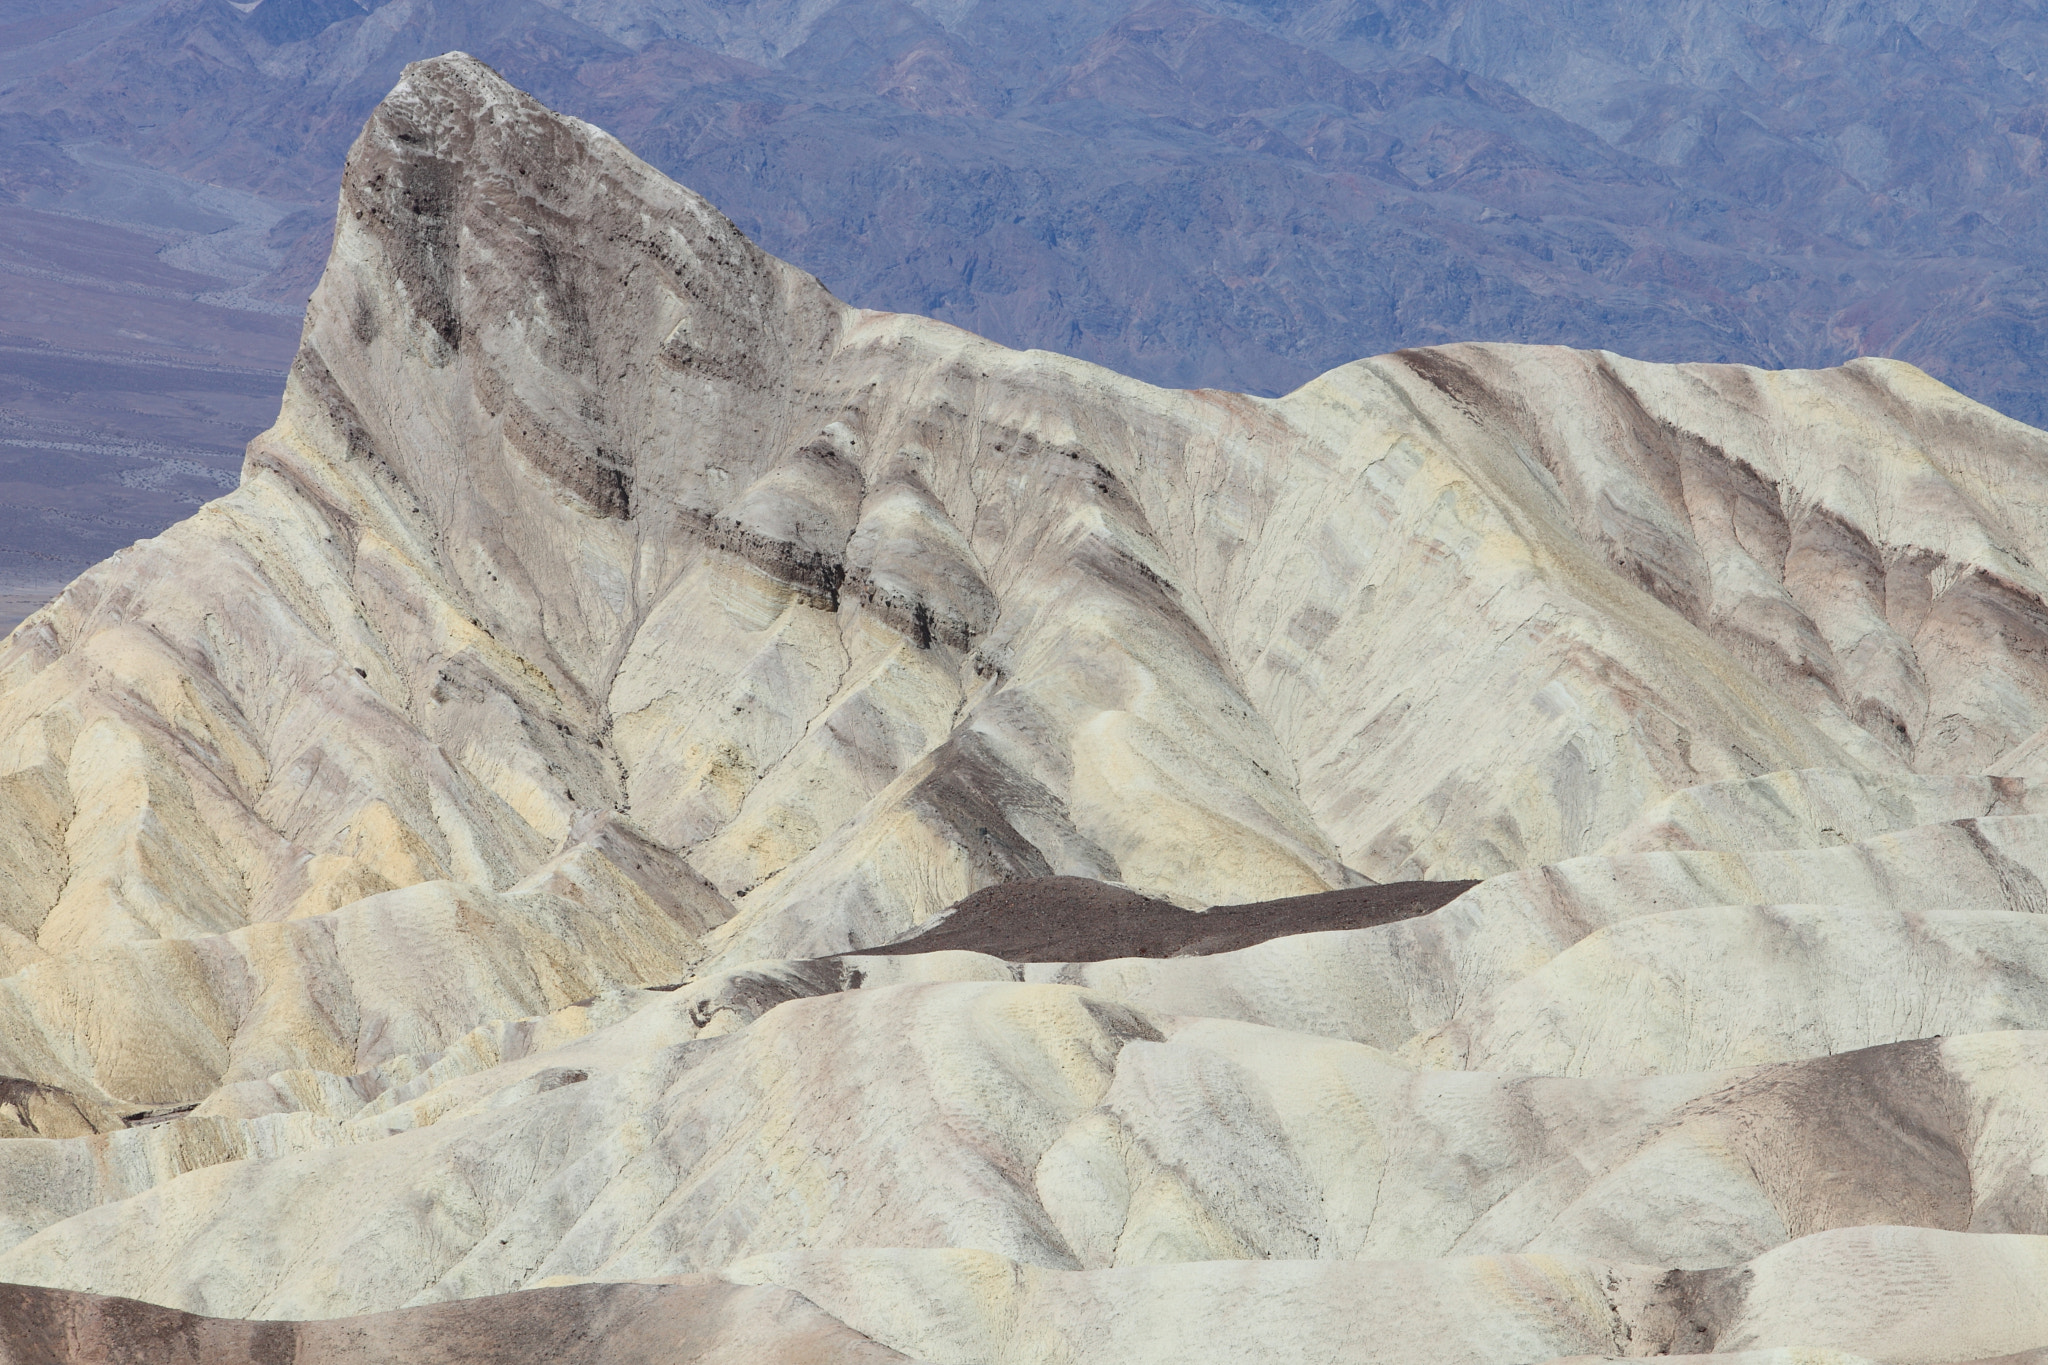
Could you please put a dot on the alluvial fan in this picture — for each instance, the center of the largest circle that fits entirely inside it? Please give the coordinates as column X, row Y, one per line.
column 1502, row 854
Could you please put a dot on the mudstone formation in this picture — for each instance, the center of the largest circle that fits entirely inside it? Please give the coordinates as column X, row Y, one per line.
column 485, row 888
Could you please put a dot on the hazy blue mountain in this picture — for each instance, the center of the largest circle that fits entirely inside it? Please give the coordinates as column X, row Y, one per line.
column 1225, row 194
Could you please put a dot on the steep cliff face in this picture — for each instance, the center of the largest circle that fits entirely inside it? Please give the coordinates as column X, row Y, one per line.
column 615, row 628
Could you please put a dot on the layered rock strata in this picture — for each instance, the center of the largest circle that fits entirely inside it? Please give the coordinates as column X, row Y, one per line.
column 696, row 808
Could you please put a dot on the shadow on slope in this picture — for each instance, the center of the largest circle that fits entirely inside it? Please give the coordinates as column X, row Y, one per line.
column 700, row 1319
column 1076, row 919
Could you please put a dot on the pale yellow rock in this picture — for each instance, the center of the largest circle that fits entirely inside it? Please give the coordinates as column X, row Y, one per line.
column 1971, row 1295
column 1697, row 990
column 406, row 972
column 1043, row 1124
column 810, row 570
column 471, row 816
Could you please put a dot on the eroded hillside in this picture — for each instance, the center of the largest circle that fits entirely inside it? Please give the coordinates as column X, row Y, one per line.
column 442, row 866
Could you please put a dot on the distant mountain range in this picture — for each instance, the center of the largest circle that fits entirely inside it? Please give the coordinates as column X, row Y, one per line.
column 1237, row 195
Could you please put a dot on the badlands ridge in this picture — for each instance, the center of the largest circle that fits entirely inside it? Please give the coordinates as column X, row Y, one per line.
column 479, row 891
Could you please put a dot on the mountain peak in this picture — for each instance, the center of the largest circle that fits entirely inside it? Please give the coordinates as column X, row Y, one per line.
column 456, row 78
column 616, row 634
column 553, row 313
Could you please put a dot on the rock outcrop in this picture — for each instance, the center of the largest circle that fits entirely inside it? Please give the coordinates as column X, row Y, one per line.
column 1221, row 193
column 594, row 818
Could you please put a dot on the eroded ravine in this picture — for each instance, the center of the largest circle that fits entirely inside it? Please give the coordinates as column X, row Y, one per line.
column 731, row 819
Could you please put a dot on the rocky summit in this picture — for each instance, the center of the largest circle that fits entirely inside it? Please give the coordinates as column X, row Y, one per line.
column 669, row 818
column 1235, row 194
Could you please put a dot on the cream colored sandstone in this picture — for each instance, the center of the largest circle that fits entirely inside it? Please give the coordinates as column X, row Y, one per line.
column 469, row 817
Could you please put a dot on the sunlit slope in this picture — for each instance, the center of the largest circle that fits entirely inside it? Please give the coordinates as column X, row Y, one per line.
column 450, row 838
